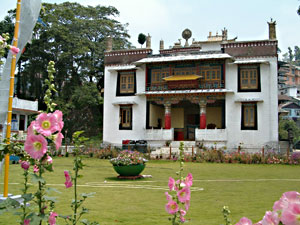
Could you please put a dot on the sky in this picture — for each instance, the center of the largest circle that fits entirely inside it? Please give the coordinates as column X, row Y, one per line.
column 166, row 19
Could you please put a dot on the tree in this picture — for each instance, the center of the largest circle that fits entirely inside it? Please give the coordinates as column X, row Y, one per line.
column 141, row 39
column 291, row 56
column 75, row 39
column 284, row 126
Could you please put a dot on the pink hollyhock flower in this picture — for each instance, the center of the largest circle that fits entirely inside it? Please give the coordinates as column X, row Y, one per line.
column 184, row 194
column 48, row 160
column 258, row 223
column 291, row 215
column 35, row 169
column 270, row 218
column 58, row 139
column 26, row 222
column 189, row 180
column 169, row 197
column 286, row 199
column 171, row 207
column 182, row 219
column 68, row 182
column 46, row 124
column 52, row 218
column 171, row 184
column 182, row 212
column 14, row 50
column 25, row 165
column 244, row 221
column 30, row 129
column 187, row 205
column 35, row 146
column 58, row 114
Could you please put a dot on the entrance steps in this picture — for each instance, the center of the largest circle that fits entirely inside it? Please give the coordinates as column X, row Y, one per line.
column 164, row 152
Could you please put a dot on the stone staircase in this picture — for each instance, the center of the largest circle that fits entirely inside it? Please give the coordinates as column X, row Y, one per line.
column 173, row 149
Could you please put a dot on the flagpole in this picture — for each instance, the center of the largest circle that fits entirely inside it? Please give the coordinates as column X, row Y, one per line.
column 10, row 98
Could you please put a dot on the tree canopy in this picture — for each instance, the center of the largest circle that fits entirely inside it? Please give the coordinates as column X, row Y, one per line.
column 74, row 37
column 141, row 39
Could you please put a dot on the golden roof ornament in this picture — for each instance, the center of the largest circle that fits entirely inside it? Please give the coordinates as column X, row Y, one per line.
column 186, row 34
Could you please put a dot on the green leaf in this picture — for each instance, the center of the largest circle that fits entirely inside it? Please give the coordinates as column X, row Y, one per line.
column 27, row 197
column 49, row 190
column 48, row 198
column 85, row 195
column 35, row 179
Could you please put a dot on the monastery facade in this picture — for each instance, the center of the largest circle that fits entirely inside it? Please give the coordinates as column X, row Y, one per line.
column 216, row 92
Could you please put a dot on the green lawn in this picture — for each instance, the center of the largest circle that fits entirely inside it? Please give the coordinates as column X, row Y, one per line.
column 248, row 190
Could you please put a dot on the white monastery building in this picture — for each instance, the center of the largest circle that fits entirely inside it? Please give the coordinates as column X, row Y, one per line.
column 216, row 92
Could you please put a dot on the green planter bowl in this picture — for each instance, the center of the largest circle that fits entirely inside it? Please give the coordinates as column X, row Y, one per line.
column 130, row 170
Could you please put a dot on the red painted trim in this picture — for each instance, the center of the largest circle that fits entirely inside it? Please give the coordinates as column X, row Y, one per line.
column 203, row 121
column 167, row 121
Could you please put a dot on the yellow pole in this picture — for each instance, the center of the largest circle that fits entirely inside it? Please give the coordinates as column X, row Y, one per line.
column 10, row 98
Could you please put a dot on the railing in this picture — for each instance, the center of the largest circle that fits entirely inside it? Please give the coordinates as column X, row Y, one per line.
column 159, row 134
column 212, row 135
column 21, row 136
column 205, row 85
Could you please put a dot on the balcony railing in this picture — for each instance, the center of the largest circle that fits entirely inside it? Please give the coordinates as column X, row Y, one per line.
column 159, row 134
column 211, row 135
column 165, row 87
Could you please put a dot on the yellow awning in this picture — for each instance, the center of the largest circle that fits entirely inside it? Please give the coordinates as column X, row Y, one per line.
column 182, row 77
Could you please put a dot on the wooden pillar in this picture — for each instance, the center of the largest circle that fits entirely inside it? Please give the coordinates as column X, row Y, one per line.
column 167, row 116
column 202, row 105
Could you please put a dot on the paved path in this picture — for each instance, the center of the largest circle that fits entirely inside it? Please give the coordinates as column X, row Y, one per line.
column 148, row 184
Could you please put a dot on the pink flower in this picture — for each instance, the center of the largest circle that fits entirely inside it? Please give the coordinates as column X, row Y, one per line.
column 68, row 182
column 58, row 139
column 171, row 184
column 182, row 212
column 270, row 218
column 291, row 215
column 244, row 221
column 46, row 124
column 171, row 207
column 52, row 218
column 258, row 223
column 184, row 194
column 14, row 50
column 30, row 129
column 35, row 169
column 169, row 197
column 48, row 160
column 25, row 165
column 286, row 199
column 189, row 180
column 35, row 146
column 187, row 205
column 26, row 222
column 182, row 219
column 58, row 114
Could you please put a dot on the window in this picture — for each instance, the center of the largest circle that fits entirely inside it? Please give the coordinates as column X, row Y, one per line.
column 185, row 71
column 157, row 75
column 126, row 84
column 249, row 116
column 211, row 73
column 125, row 118
column 249, row 78
column 14, row 122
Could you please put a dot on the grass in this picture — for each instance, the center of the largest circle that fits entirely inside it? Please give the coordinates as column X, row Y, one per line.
column 248, row 190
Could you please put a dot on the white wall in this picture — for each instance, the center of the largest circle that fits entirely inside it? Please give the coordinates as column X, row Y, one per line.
column 111, row 132
column 267, row 111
